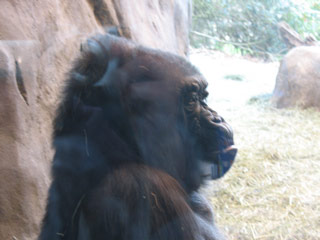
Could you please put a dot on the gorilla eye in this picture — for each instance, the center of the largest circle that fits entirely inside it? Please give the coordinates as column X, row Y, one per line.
column 193, row 98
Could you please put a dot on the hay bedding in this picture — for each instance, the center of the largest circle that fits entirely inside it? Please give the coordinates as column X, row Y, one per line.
column 272, row 191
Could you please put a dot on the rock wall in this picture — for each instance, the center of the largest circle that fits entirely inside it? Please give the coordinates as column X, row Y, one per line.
column 298, row 79
column 38, row 40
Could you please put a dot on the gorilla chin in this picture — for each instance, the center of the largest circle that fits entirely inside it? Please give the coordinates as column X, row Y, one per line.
column 134, row 140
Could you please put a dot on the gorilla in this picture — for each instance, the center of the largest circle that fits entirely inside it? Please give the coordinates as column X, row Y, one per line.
column 134, row 140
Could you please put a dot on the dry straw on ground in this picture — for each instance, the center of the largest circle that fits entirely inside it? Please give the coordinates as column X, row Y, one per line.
column 272, row 191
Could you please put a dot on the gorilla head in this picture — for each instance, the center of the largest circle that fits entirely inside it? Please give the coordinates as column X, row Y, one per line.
column 126, row 104
column 155, row 103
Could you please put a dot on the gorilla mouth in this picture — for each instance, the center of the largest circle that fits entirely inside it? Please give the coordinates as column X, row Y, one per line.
column 222, row 162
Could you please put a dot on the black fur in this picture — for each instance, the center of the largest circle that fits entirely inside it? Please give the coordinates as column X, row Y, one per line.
column 125, row 104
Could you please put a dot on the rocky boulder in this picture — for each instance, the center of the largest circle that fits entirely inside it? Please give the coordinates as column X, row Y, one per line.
column 38, row 40
column 298, row 79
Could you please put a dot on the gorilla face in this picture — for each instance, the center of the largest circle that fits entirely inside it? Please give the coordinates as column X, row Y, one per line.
column 156, row 101
column 213, row 136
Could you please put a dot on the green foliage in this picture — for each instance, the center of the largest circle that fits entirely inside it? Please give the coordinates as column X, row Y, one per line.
column 250, row 26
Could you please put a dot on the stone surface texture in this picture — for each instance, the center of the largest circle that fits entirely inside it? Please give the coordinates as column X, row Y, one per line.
column 38, row 40
column 298, row 79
